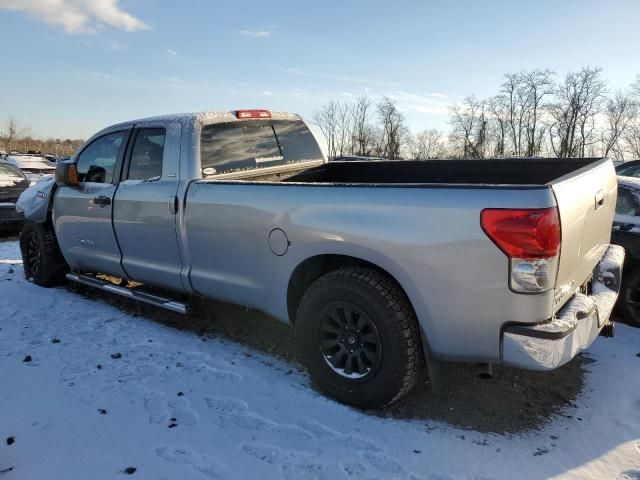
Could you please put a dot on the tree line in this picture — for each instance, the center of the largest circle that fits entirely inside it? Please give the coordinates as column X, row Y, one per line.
column 17, row 137
column 533, row 113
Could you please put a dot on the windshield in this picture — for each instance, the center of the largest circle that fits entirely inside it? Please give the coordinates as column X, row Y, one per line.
column 10, row 175
column 237, row 146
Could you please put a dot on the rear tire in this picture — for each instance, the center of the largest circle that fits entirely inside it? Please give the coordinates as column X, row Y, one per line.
column 629, row 299
column 359, row 338
column 42, row 260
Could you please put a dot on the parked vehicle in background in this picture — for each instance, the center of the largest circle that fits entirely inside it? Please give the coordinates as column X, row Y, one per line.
column 630, row 168
column 12, row 183
column 51, row 158
column 35, row 167
column 626, row 232
column 378, row 265
column 354, row 158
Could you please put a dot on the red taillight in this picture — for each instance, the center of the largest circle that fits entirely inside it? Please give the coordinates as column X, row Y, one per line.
column 253, row 114
column 527, row 233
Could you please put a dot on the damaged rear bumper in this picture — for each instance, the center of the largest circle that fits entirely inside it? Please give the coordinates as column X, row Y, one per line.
column 574, row 328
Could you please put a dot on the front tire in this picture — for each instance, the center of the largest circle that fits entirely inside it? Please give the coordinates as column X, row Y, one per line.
column 42, row 260
column 359, row 338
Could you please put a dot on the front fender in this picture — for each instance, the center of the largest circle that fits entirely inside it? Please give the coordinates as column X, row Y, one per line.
column 35, row 201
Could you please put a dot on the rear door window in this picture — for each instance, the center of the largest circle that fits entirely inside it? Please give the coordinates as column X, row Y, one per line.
column 147, row 154
column 237, row 146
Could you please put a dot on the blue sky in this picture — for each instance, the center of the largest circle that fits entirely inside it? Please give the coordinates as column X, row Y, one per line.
column 79, row 66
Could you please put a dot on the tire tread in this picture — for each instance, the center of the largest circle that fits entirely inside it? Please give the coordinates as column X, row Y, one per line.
column 54, row 267
column 404, row 318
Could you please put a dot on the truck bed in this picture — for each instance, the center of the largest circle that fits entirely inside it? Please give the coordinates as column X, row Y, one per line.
column 473, row 172
column 423, row 227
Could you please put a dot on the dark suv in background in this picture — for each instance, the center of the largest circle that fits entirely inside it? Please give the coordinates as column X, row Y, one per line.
column 12, row 183
column 626, row 232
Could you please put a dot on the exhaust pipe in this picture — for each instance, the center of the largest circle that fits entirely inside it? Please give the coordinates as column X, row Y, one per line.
column 609, row 330
column 486, row 371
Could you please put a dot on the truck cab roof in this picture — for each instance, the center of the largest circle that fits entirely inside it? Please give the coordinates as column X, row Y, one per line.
column 206, row 118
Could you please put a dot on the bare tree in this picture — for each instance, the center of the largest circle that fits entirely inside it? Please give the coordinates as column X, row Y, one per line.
column 427, row 144
column 619, row 113
column 632, row 139
column 579, row 99
column 344, row 125
column 515, row 100
column 499, row 117
column 469, row 127
column 12, row 131
column 15, row 134
column 635, row 88
column 537, row 84
column 392, row 129
column 362, row 130
column 326, row 117
column 521, row 104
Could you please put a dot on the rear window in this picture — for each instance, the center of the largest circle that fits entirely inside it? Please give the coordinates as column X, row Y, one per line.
column 238, row 146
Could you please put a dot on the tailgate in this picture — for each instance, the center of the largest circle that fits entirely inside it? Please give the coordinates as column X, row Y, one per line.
column 586, row 202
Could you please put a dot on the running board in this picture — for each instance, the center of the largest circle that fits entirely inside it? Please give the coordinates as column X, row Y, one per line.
column 144, row 297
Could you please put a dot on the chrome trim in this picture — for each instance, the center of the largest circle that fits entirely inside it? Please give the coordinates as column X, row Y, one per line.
column 139, row 296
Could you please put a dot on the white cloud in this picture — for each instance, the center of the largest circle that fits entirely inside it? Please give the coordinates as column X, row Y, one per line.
column 77, row 16
column 116, row 46
column 172, row 52
column 267, row 92
column 338, row 78
column 430, row 103
column 256, row 33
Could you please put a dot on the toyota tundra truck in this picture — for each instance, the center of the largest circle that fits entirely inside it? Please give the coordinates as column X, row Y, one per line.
column 382, row 267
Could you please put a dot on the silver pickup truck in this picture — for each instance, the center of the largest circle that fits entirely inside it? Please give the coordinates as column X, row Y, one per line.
column 382, row 267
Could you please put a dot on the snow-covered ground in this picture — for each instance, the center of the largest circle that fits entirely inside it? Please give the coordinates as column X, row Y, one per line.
column 104, row 391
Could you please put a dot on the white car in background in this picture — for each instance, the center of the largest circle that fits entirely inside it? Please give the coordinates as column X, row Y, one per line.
column 35, row 167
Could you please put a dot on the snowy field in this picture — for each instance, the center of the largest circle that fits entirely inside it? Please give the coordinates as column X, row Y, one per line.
column 90, row 391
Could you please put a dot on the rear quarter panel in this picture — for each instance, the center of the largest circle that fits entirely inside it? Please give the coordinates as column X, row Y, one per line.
column 428, row 239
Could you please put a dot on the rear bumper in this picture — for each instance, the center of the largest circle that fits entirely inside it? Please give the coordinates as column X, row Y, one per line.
column 574, row 328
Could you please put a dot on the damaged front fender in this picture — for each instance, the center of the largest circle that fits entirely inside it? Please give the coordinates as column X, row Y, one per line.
column 34, row 202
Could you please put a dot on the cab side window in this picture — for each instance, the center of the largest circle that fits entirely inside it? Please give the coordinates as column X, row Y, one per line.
column 147, row 154
column 96, row 163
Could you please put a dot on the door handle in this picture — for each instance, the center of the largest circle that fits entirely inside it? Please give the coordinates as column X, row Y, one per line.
column 599, row 199
column 102, row 200
column 173, row 206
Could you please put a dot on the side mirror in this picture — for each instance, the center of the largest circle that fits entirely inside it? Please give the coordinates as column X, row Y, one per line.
column 67, row 174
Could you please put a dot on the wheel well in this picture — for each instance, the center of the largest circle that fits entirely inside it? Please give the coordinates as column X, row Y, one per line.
column 313, row 268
